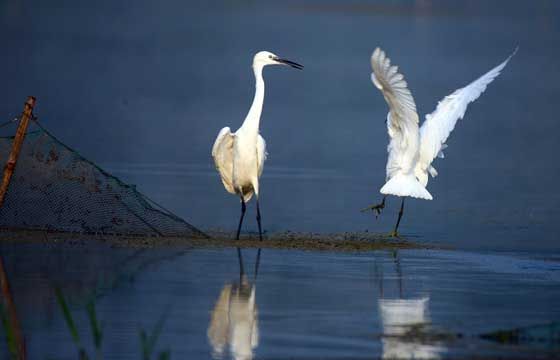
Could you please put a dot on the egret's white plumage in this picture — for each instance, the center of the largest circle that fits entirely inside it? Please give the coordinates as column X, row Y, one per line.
column 223, row 153
column 402, row 126
column 239, row 157
column 438, row 125
column 412, row 149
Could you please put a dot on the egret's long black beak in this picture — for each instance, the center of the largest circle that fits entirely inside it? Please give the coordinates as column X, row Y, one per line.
column 290, row 63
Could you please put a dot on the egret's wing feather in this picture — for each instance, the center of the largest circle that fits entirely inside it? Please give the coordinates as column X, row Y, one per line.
column 402, row 108
column 394, row 155
column 439, row 124
column 402, row 119
column 222, row 152
column 261, row 154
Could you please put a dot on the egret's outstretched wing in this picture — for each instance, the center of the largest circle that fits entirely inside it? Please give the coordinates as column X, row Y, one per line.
column 261, row 154
column 439, row 124
column 386, row 78
column 402, row 119
column 222, row 152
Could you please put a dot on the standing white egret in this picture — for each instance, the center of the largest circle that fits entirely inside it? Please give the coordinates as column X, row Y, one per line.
column 412, row 149
column 239, row 156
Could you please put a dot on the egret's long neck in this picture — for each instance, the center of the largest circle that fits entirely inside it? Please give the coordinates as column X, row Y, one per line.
column 251, row 123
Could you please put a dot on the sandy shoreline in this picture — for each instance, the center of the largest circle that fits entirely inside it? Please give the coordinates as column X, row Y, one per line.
column 344, row 242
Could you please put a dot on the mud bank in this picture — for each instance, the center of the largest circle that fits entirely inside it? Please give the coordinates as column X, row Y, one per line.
column 345, row 242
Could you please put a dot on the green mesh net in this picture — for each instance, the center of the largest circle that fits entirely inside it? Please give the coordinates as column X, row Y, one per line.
column 53, row 188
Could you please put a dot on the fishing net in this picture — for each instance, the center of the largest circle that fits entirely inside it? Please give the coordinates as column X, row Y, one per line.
column 53, row 188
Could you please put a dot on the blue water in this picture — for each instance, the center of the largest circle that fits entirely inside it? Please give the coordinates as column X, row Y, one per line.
column 144, row 90
column 304, row 305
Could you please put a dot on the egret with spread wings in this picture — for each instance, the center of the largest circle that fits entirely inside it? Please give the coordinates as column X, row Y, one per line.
column 239, row 156
column 412, row 149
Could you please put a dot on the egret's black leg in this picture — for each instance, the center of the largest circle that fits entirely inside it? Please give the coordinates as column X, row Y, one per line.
column 241, row 267
column 257, row 263
column 395, row 233
column 243, row 208
column 398, row 269
column 259, row 220
column 377, row 208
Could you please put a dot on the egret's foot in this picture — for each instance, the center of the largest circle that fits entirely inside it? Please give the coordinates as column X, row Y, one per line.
column 394, row 234
column 375, row 208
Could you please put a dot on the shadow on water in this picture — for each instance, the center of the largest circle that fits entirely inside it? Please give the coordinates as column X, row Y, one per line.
column 543, row 336
column 64, row 286
column 405, row 319
column 421, row 304
column 234, row 319
column 409, row 333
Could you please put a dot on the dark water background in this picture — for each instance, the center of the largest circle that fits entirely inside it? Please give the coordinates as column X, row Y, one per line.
column 144, row 88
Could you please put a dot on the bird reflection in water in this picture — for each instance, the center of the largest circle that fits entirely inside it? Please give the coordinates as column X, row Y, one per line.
column 234, row 319
column 405, row 320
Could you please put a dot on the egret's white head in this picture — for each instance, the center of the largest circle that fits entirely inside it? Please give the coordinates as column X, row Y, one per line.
column 263, row 58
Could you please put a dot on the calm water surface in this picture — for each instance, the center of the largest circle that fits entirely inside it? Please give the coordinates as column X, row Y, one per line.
column 144, row 90
column 409, row 304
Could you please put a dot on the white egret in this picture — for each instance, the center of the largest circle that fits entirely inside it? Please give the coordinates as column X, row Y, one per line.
column 412, row 149
column 239, row 156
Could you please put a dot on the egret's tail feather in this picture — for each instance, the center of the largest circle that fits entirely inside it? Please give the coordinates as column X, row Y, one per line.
column 247, row 196
column 405, row 185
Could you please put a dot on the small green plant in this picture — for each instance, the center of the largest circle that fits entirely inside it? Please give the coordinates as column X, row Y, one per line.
column 82, row 354
column 147, row 341
column 95, row 326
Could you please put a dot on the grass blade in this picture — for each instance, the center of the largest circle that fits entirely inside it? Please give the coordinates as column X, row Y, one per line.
column 148, row 342
column 144, row 345
column 94, row 324
column 67, row 316
column 166, row 355
column 82, row 355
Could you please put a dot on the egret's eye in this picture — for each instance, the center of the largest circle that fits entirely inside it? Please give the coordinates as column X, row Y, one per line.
column 270, row 56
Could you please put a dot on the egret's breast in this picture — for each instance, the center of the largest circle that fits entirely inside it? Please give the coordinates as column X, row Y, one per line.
column 244, row 171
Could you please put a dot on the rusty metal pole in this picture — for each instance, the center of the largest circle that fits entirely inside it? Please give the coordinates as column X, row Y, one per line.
column 16, row 147
column 11, row 312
